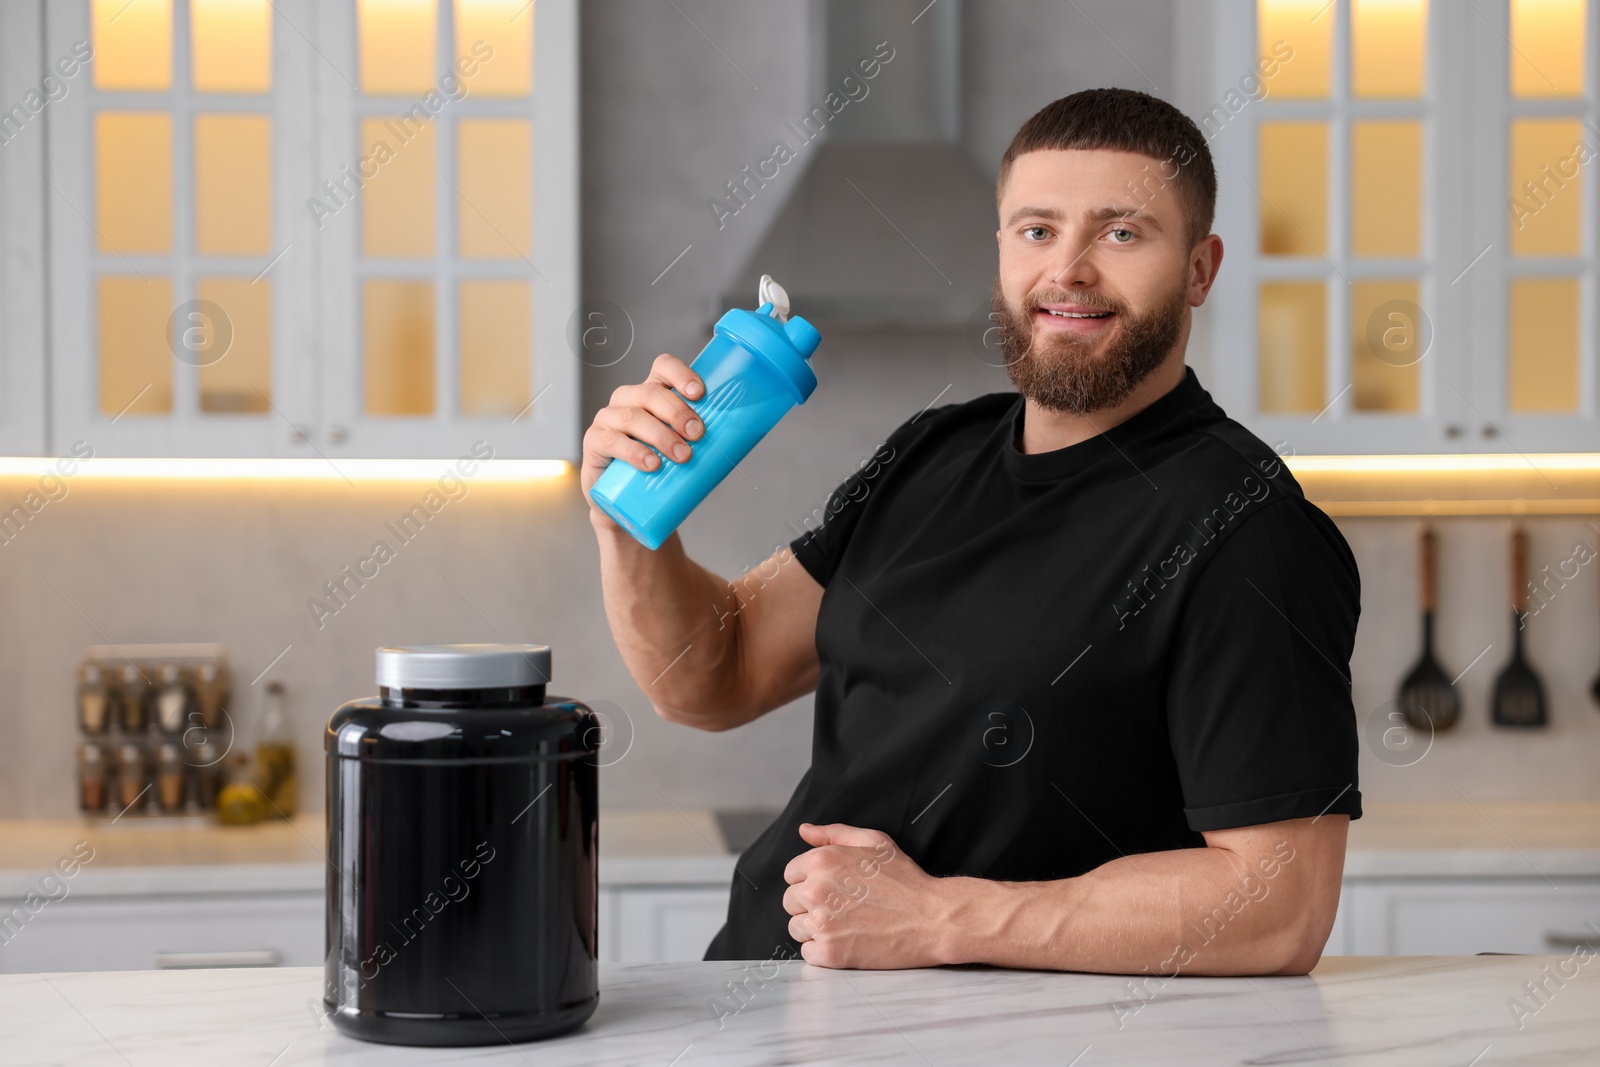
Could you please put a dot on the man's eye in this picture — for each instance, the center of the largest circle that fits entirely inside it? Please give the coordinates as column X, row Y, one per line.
column 1034, row 229
column 1130, row 234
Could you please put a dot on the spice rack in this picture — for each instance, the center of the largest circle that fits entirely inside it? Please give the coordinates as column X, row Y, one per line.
column 154, row 729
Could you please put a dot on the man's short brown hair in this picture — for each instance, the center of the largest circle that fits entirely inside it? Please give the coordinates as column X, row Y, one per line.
column 1129, row 121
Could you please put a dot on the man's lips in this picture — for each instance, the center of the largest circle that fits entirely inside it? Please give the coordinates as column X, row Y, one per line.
column 1073, row 317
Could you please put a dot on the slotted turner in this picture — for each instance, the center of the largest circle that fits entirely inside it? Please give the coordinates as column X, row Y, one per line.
column 1518, row 694
column 1427, row 697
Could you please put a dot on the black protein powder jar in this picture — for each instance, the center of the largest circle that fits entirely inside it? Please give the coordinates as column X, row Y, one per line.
column 462, row 834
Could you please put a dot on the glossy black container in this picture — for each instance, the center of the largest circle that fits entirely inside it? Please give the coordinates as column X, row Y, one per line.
column 462, row 834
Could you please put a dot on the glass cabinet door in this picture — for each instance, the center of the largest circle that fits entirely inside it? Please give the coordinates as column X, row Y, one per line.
column 1533, row 200
column 448, row 256
column 181, row 261
column 312, row 228
column 1340, row 328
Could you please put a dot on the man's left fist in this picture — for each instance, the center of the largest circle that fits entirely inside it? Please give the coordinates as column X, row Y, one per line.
column 855, row 900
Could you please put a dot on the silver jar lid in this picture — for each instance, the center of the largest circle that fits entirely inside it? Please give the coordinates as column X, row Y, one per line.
column 463, row 666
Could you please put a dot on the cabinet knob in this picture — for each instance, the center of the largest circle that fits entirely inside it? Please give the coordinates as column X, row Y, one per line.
column 1453, row 430
column 1489, row 431
column 337, row 435
column 299, row 436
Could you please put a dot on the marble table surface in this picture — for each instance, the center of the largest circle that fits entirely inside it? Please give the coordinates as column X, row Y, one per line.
column 1415, row 1010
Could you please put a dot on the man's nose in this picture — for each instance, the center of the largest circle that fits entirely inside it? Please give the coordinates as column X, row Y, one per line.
column 1075, row 265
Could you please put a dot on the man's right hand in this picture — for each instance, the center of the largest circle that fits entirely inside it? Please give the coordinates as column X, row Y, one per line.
column 640, row 421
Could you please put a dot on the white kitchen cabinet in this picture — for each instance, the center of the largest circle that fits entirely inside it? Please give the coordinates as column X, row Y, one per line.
column 1308, row 300
column 1465, row 916
column 144, row 933
column 1531, row 195
column 456, row 283
column 22, row 148
column 637, row 924
column 326, row 329
column 667, row 924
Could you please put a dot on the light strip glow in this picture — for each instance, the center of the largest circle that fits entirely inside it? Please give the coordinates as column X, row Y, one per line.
column 285, row 470
column 1465, row 463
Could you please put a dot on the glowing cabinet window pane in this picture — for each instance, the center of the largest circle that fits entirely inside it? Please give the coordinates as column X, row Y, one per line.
column 504, row 58
column 1544, row 344
column 397, row 45
column 132, row 44
column 398, row 348
column 1307, row 27
column 1385, row 344
column 1386, row 188
column 496, row 343
column 397, row 201
column 135, row 361
column 1388, row 45
column 232, row 45
column 494, row 186
column 1545, row 187
column 233, row 184
column 236, row 361
column 1547, row 48
column 1294, row 188
column 133, row 181
column 1291, row 341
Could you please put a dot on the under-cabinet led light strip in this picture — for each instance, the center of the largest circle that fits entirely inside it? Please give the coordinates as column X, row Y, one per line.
column 285, row 470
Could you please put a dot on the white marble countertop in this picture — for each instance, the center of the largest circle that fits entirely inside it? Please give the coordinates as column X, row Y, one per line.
column 1411, row 1011
column 667, row 846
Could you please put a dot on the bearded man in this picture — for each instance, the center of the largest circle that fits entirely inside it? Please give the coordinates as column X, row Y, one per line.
column 1081, row 654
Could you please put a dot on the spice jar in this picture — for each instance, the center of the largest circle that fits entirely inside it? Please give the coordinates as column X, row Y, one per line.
column 94, row 704
column 170, row 777
column 171, row 699
column 462, row 832
column 132, row 777
column 92, row 777
column 135, row 699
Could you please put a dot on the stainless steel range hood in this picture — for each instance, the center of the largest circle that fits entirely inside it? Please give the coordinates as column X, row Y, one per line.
column 890, row 226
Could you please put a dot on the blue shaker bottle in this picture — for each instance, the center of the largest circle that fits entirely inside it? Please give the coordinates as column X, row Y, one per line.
column 755, row 369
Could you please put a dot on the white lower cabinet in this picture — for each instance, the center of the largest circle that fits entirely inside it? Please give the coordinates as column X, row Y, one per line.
column 638, row 924
column 145, row 933
column 661, row 924
column 1465, row 916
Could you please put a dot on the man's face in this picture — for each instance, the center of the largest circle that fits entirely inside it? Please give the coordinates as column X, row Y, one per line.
column 1096, row 233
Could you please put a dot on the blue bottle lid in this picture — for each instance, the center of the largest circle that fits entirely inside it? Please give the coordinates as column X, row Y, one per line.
column 786, row 345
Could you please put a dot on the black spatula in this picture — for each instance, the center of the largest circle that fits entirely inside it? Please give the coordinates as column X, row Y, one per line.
column 1428, row 699
column 1518, row 695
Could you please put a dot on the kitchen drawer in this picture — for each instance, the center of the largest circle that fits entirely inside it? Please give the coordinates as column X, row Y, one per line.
column 1462, row 917
column 667, row 924
column 141, row 933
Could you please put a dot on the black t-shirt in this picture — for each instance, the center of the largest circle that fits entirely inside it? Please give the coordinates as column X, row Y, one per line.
column 1033, row 664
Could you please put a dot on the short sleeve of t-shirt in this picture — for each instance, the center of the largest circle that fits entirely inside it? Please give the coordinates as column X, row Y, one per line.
column 828, row 529
column 1259, row 709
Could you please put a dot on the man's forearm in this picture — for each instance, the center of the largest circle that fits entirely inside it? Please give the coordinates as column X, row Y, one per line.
column 664, row 613
column 1195, row 911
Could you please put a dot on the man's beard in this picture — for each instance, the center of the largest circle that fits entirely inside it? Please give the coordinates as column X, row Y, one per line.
column 1063, row 373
